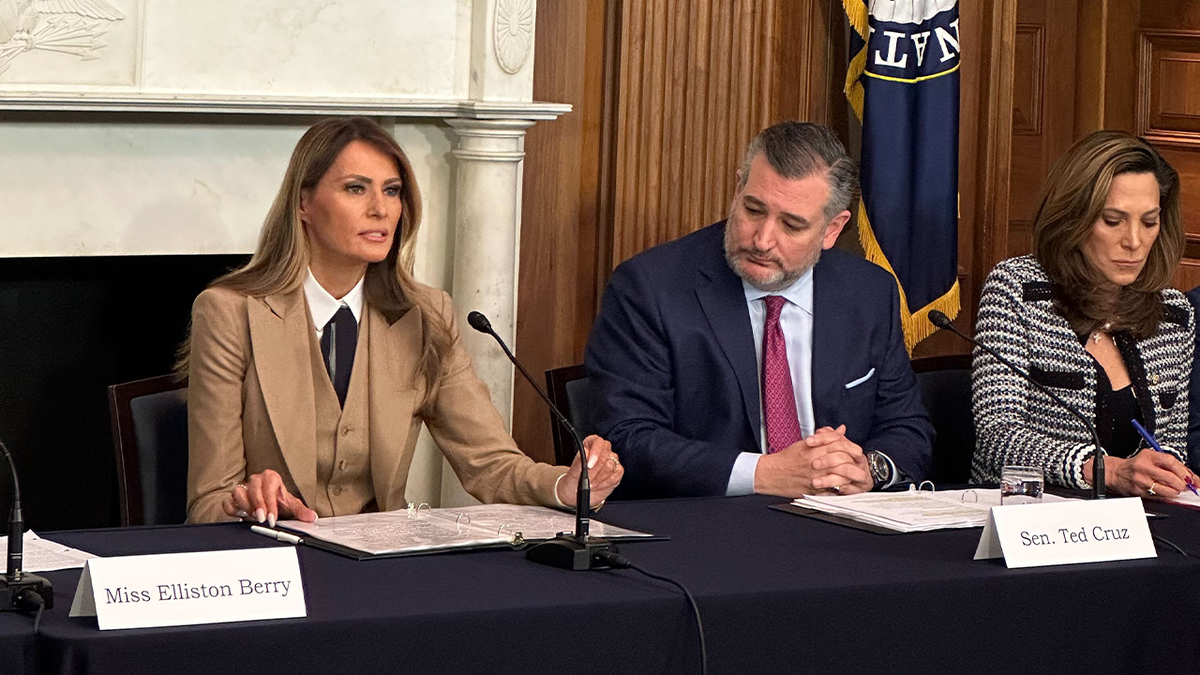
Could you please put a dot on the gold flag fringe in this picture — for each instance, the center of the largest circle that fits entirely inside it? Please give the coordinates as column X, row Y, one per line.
column 856, row 11
column 916, row 325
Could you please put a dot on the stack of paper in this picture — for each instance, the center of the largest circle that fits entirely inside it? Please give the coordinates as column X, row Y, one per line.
column 43, row 555
column 914, row 510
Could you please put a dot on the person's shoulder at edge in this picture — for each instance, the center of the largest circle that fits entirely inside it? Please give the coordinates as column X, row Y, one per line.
column 436, row 297
column 1194, row 296
column 857, row 279
column 1022, row 268
column 855, row 267
column 665, row 260
column 220, row 296
column 1178, row 313
column 217, row 301
column 1173, row 297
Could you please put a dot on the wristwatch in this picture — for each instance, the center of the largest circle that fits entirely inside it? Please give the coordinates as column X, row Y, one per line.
column 882, row 470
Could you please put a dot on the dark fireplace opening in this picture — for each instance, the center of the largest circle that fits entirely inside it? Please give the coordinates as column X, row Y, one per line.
column 69, row 328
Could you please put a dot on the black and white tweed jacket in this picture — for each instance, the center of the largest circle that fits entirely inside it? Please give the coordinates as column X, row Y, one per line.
column 1017, row 424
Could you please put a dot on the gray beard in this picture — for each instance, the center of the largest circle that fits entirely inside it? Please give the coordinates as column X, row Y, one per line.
column 778, row 281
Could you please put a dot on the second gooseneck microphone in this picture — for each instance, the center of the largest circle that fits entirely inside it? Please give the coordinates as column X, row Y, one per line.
column 578, row 551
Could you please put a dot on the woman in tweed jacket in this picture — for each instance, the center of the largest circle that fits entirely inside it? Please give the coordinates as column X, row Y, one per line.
column 1090, row 316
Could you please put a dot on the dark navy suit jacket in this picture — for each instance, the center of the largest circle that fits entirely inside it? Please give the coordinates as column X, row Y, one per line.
column 1193, row 437
column 672, row 354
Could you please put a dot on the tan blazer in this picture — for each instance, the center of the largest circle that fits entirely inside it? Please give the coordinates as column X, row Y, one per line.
column 251, row 407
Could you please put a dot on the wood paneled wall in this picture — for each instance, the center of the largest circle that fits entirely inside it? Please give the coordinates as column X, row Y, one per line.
column 697, row 81
column 666, row 94
column 1168, row 107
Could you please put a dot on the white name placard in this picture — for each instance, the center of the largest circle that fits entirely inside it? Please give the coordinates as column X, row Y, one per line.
column 180, row 589
column 1060, row 533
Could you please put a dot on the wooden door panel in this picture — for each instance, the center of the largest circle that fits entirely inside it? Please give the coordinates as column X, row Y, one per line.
column 1168, row 72
column 1043, row 109
column 1168, row 111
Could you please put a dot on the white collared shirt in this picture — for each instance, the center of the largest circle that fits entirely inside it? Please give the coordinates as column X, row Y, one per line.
column 796, row 319
column 322, row 306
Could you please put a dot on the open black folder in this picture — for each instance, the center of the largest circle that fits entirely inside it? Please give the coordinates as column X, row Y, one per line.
column 422, row 530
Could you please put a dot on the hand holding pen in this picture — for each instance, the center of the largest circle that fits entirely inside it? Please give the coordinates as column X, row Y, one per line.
column 1179, row 471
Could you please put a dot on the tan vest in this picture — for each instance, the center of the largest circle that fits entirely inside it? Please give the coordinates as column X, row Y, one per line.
column 343, row 440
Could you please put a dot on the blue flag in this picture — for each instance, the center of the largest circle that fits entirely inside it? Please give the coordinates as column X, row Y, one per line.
column 903, row 85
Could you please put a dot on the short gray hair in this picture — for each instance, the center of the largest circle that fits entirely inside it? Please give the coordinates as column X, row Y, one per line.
column 800, row 149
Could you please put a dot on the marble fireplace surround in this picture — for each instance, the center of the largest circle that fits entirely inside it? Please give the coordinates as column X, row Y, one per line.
column 163, row 127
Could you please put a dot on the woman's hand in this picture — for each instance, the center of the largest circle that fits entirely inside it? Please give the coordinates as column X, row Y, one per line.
column 263, row 498
column 1146, row 474
column 604, row 473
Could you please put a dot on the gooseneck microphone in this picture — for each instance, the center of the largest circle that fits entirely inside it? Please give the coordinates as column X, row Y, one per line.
column 577, row 551
column 940, row 320
column 19, row 590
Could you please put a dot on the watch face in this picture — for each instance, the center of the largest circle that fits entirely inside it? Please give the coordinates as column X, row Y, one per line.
column 879, row 467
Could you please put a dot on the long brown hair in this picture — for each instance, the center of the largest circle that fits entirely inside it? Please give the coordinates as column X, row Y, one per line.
column 281, row 261
column 1072, row 200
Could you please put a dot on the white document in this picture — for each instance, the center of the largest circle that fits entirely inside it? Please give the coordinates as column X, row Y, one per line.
column 1032, row 535
column 182, row 589
column 419, row 530
column 43, row 555
column 1185, row 498
column 913, row 510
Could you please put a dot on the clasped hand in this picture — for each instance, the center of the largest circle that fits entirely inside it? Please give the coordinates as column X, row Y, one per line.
column 826, row 462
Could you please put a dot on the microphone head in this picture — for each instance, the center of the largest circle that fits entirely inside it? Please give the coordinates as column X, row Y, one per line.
column 939, row 319
column 479, row 322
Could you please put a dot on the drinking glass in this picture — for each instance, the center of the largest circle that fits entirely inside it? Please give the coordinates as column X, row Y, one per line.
column 1021, row 485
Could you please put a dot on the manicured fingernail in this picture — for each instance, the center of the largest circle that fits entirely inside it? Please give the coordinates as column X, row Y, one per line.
column 271, row 519
column 260, row 515
column 592, row 462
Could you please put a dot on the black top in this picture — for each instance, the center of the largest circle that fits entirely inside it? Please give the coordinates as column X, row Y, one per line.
column 1123, row 439
column 1116, row 407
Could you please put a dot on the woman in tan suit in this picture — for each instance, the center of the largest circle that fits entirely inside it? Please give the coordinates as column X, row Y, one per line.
column 312, row 368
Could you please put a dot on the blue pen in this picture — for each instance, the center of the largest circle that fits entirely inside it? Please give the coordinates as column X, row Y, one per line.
column 1154, row 444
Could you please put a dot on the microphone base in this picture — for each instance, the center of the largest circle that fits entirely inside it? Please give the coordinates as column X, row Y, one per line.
column 12, row 590
column 569, row 552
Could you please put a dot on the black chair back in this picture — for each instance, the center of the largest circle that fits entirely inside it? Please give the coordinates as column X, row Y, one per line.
column 150, row 436
column 572, row 393
column 945, row 383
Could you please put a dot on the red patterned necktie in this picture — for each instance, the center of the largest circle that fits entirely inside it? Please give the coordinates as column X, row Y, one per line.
column 779, row 400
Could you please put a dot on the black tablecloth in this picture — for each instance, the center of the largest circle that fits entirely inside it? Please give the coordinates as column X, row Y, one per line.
column 778, row 593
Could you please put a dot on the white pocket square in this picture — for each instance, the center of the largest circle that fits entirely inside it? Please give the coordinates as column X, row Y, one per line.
column 864, row 378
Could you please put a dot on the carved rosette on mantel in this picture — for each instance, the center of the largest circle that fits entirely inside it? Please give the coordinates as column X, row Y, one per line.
column 513, row 33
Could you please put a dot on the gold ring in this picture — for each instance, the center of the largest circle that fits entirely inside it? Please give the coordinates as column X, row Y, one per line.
column 240, row 485
column 615, row 461
column 1151, row 490
column 836, row 488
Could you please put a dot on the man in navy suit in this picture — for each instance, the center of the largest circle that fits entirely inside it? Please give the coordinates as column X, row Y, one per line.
column 694, row 334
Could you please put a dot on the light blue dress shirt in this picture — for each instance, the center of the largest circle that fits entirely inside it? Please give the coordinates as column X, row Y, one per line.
column 796, row 319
